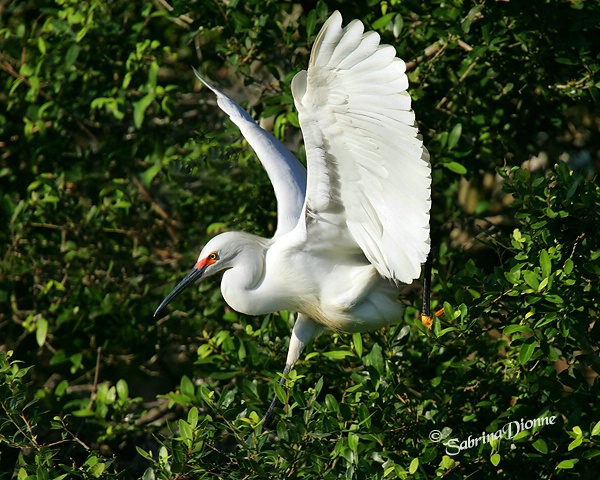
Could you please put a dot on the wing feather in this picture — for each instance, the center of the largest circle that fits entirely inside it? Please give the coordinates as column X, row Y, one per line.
column 348, row 43
column 285, row 171
column 369, row 176
column 368, row 46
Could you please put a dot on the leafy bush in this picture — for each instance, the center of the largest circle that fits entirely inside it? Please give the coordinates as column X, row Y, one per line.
column 116, row 167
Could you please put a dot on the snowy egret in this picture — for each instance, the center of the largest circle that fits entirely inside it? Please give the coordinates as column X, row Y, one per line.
column 355, row 228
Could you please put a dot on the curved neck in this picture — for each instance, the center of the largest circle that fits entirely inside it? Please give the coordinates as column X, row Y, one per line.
column 242, row 281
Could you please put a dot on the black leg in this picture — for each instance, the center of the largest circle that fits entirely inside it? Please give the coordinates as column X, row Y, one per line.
column 270, row 415
column 425, row 309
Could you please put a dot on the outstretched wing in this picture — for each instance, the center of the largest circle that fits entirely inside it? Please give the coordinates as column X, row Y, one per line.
column 369, row 176
column 285, row 171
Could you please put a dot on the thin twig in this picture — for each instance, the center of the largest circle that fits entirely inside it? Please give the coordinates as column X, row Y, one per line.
column 464, row 45
column 460, row 80
column 47, row 225
column 431, row 50
column 96, row 375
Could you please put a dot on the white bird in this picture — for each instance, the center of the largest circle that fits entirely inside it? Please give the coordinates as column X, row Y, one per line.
column 354, row 229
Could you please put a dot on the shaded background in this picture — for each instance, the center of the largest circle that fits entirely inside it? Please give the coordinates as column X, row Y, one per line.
column 116, row 167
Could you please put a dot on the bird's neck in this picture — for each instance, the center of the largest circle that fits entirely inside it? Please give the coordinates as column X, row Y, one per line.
column 241, row 283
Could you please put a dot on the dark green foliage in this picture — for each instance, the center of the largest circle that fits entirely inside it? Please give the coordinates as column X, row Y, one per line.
column 115, row 167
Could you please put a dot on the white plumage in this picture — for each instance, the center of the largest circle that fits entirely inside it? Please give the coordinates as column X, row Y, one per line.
column 358, row 126
column 354, row 228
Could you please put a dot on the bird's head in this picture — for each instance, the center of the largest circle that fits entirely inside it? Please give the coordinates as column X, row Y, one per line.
column 217, row 255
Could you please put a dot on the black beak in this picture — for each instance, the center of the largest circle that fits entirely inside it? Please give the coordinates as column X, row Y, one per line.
column 188, row 280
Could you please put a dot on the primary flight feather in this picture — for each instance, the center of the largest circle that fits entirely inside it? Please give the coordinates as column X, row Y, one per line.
column 354, row 226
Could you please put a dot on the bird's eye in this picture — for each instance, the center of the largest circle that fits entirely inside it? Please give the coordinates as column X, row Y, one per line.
column 213, row 256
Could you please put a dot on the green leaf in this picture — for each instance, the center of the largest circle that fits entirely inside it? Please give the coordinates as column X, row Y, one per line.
column 568, row 267
column 554, row 298
column 414, row 464
column 447, row 462
column 41, row 45
column 318, row 386
column 526, row 352
column 386, row 472
column 357, row 342
column 449, row 311
column 375, row 359
column 122, row 389
column 148, row 175
column 565, row 464
column 455, row 167
column 495, row 459
column 41, row 331
column 454, row 137
column 590, row 454
column 531, row 279
column 353, row 441
column 332, row 403
column 338, row 354
column 398, row 24
column 513, row 276
column 139, row 108
column 382, row 21
column 71, row 56
column 540, row 446
column 153, row 74
column 596, row 429
column 566, row 61
column 545, row 263
column 187, row 387
column 509, row 329
column 543, row 284
column 311, row 22
column 146, row 454
column 149, row 474
column 575, row 443
column 97, row 470
column 61, row 388
column 83, row 412
column 185, row 431
column 280, row 393
column 192, row 417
